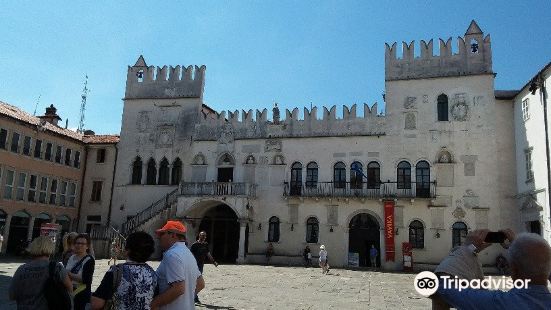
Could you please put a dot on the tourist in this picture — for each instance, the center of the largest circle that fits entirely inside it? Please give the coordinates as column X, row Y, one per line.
column 323, row 260
column 68, row 243
column 373, row 253
column 114, row 251
column 81, row 270
column 307, row 255
column 131, row 285
column 200, row 250
column 529, row 259
column 27, row 285
column 179, row 276
column 269, row 253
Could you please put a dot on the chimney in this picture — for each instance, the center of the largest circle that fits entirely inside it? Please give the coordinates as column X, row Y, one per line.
column 51, row 115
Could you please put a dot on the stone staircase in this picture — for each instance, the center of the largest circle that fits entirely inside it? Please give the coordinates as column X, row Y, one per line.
column 148, row 220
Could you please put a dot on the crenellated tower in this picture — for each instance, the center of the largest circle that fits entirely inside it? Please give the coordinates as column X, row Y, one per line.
column 474, row 56
column 152, row 82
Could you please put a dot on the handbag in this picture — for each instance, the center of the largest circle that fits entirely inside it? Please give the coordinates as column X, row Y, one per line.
column 117, row 274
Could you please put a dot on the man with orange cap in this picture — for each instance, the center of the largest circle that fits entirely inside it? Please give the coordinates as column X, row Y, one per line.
column 179, row 277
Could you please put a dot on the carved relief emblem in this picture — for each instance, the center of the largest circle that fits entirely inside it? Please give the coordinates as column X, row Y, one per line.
column 142, row 123
column 199, row 159
column 460, row 111
column 165, row 136
column 410, row 103
column 425, row 99
column 458, row 213
column 226, row 134
column 272, row 145
column 410, row 121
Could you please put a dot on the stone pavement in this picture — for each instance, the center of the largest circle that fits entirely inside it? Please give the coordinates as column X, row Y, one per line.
column 269, row 287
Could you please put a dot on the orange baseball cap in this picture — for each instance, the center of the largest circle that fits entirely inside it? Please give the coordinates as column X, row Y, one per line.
column 173, row 226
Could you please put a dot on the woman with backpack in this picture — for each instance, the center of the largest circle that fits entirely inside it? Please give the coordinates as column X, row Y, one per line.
column 80, row 268
column 131, row 285
column 31, row 283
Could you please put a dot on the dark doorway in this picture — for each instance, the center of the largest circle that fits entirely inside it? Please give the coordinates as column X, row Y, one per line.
column 19, row 227
column 222, row 228
column 225, row 174
column 38, row 221
column 535, row 227
column 364, row 232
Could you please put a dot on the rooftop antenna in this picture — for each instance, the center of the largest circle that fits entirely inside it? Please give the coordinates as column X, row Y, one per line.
column 36, row 105
column 84, row 95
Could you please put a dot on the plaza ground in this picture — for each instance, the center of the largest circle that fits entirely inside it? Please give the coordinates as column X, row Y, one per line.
column 269, row 287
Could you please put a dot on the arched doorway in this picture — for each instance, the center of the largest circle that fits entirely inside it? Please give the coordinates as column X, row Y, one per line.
column 222, row 227
column 40, row 219
column 19, row 227
column 364, row 232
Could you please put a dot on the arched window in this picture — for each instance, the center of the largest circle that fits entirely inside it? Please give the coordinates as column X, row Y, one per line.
column 416, row 234
column 339, row 175
column 296, row 178
column 403, row 175
column 176, row 172
column 442, row 106
column 356, row 175
column 422, row 179
column 312, row 175
column 459, row 233
column 151, row 172
column 373, row 175
column 312, row 230
column 163, row 172
column 273, row 229
column 137, row 171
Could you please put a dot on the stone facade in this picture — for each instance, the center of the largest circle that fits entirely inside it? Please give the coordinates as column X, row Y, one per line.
column 442, row 157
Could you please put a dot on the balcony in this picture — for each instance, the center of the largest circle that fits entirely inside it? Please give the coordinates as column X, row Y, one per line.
column 217, row 189
column 361, row 189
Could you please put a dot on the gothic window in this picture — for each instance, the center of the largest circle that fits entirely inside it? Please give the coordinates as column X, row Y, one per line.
column 373, row 175
column 442, row 105
column 403, row 175
column 422, row 179
column 176, row 171
column 273, row 229
column 312, row 175
column 296, row 178
column 339, row 175
column 151, row 177
column 416, row 234
column 312, row 230
column 356, row 175
column 459, row 233
column 137, row 171
column 163, row 172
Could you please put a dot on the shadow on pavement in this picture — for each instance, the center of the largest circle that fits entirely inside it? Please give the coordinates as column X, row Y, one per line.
column 214, row 307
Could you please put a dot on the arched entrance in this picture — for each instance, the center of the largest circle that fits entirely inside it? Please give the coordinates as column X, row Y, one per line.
column 222, row 227
column 40, row 219
column 364, row 232
column 19, row 227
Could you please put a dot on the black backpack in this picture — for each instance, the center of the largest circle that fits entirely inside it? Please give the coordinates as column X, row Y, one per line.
column 56, row 293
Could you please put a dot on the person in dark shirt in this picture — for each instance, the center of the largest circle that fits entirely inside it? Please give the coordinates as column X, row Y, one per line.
column 200, row 250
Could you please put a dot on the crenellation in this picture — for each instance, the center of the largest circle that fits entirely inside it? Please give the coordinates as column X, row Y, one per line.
column 426, row 49
column 473, row 57
column 164, row 82
column 292, row 126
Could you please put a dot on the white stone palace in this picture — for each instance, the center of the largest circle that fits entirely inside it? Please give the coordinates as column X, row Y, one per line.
column 449, row 155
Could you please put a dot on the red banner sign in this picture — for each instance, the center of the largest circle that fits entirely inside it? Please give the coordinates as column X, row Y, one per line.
column 389, row 230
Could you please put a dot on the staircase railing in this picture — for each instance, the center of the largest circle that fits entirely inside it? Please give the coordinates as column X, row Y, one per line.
column 149, row 212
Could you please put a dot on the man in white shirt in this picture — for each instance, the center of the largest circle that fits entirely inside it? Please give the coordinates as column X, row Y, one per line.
column 179, row 276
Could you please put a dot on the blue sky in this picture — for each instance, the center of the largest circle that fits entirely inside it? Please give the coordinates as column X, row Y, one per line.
column 256, row 52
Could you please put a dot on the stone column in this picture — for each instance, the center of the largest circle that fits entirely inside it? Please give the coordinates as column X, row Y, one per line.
column 30, row 229
column 6, row 234
column 346, row 245
column 241, row 253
